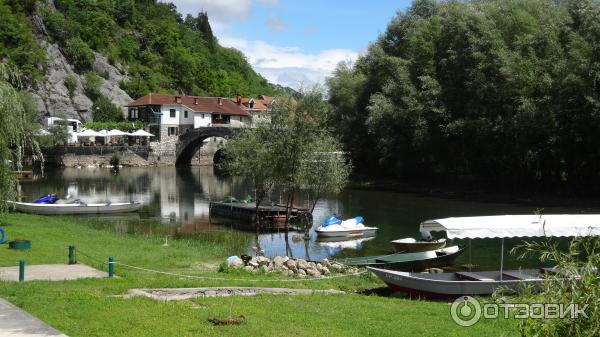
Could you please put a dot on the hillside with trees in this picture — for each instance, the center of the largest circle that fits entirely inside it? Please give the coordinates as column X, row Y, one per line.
column 504, row 93
column 147, row 44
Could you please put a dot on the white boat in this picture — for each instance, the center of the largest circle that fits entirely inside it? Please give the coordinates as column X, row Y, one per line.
column 347, row 228
column 485, row 282
column 75, row 208
column 410, row 245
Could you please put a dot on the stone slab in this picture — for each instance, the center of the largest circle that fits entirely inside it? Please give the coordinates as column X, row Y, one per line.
column 51, row 272
column 174, row 294
column 14, row 322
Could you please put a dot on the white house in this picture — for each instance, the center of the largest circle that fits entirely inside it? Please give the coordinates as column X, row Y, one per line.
column 169, row 116
column 73, row 126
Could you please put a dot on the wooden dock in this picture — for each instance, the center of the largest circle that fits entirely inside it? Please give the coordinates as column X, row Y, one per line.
column 269, row 214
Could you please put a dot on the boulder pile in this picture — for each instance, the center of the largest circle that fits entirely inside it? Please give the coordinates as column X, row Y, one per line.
column 289, row 266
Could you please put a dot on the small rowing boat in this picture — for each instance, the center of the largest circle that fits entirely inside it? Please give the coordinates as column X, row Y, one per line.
column 409, row 245
column 443, row 285
column 75, row 208
column 408, row 261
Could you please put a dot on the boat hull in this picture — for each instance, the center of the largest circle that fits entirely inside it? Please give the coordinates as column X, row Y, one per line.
column 444, row 285
column 366, row 231
column 74, row 209
column 419, row 246
column 409, row 261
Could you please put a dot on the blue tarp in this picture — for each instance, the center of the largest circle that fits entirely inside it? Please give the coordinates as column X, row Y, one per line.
column 47, row 199
column 332, row 220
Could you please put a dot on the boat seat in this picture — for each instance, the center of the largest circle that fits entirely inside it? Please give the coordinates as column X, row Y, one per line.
column 517, row 275
column 472, row 276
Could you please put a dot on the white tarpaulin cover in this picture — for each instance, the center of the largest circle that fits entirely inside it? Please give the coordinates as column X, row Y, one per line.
column 507, row 226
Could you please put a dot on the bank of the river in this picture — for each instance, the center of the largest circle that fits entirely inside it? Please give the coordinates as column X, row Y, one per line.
column 89, row 307
column 473, row 191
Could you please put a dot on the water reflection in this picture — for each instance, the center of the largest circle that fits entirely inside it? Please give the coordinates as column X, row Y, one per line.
column 176, row 202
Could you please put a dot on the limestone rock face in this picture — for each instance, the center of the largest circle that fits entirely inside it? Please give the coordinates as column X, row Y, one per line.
column 52, row 95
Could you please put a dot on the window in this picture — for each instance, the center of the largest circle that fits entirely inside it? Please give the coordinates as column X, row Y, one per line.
column 185, row 114
column 172, row 113
column 173, row 131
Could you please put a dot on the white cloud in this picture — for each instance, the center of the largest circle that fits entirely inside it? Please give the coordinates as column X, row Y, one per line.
column 276, row 24
column 289, row 65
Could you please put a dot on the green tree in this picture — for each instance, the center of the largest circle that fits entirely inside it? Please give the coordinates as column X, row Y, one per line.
column 497, row 91
column 104, row 110
column 79, row 54
column 15, row 132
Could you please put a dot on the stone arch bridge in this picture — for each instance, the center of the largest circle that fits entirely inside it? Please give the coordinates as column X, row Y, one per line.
column 190, row 141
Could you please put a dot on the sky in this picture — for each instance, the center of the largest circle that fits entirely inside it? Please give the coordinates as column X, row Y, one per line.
column 296, row 43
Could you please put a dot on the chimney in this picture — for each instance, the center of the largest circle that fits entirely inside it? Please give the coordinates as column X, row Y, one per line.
column 177, row 99
column 196, row 100
column 238, row 99
column 219, row 101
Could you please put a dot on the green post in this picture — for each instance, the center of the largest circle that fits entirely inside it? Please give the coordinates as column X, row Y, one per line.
column 111, row 266
column 21, row 270
column 72, row 258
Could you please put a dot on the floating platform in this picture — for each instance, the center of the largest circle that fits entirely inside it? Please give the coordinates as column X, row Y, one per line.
column 271, row 215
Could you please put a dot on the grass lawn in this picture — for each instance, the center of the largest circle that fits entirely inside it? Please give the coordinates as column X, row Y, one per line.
column 89, row 307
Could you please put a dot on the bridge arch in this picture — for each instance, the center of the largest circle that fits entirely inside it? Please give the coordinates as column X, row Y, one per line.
column 190, row 141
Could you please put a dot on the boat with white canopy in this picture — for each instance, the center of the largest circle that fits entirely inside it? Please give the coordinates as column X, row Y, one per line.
column 485, row 283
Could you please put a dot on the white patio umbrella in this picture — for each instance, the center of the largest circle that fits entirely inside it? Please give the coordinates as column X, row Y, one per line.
column 141, row 133
column 115, row 132
column 89, row 133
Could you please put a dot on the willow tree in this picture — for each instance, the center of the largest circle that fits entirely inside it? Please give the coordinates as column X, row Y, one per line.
column 16, row 132
column 249, row 156
column 291, row 151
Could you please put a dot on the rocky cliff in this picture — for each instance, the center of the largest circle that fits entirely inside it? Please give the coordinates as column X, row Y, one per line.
column 51, row 93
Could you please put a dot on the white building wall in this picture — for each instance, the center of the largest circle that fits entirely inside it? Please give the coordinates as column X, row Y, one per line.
column 166, row 118
column 190, row 116
column 202, row 119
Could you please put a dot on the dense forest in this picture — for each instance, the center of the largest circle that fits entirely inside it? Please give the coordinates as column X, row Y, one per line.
column 160, row 50
column 505, row 93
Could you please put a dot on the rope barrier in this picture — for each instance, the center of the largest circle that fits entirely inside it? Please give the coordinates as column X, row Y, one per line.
column 234, row 279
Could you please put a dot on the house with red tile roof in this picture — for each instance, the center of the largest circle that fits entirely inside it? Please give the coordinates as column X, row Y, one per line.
column 168, row 116
column 257, row 107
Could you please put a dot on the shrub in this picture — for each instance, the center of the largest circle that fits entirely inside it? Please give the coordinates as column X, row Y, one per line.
column 576, row 283
column 92, row 85
column 104, row 110
column 115, row 160
column 79, row 54
column 71, row 83
column 123, row 126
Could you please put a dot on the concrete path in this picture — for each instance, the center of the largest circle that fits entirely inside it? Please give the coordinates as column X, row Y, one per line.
column 15, row 322
column 51, row 272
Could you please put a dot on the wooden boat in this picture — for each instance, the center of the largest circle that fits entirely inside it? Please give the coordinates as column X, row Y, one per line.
column 409, row 261
column 445, row 285
column 76, row 208
column 411, row 245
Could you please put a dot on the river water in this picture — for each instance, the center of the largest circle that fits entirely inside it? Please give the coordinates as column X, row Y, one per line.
column 176, row 202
